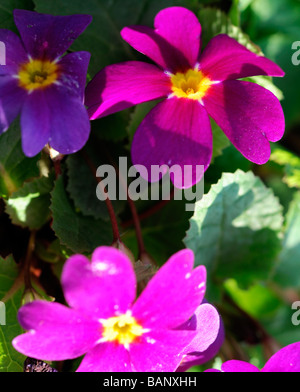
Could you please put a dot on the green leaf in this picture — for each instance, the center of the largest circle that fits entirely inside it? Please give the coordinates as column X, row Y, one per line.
column 78, row 233
column 10, row 359
column 291, row 165
column 286, row 271
column 6, row 12
column 29, row 206
column 15, row 168
column 235, row 229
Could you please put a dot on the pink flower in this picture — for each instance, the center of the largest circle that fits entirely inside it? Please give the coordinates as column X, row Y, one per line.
column 285, row 360
column 192, row 87
column 104, row 323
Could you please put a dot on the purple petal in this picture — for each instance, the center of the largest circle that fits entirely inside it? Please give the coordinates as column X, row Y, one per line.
column 101, row 288
column 238, row 366
column 176, row 134
column 69, row 121
column 159, row 351
column 55, row 332
column 14, row 52
column 106, row 357
column 285, row 360
column 12, row 98
column 74, row 68
column 173, row 294
column 174, row 44
column 249, row 115
column 35, row 123
column 120, row 86
column 210, row 336
column 224, row 58
column 48, row 36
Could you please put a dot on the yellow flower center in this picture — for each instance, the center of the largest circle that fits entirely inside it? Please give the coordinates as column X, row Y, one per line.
column 123, row 329
column 38, row 74
column 192, row 85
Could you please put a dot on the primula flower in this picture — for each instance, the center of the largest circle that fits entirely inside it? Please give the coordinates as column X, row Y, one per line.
column 104, row 323
column 285, row 360
column 44, row 87
column 192, row 86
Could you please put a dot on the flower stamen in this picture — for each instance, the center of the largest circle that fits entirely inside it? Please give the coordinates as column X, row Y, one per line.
column 192, row 85
column 38, row 74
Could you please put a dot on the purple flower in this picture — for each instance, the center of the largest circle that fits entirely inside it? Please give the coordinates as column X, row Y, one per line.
column 193, row 87
column 44, row 87
column 104, row 323
column 285, row 360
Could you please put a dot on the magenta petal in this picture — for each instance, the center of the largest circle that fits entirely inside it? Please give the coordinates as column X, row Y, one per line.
column 55, row 332
column 108, row 282
column 14, row 52
column 11, row 100
column 173, row 294
column 285, row 360
column 35, row 123
column 69, row 121
column 106, row 357
column 159, row 351
column 224, row 58
column 120, row 86
column 238, row 366
column 249, row 115
column 176, row 133
column 74, row 68
column 48, row 36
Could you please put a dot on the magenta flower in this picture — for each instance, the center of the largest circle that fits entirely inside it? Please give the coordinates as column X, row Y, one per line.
column 104, row 323
column 44, row 87
column 193, row 87
column 285, row 360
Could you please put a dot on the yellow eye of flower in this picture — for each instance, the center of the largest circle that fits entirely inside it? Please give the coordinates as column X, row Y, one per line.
column 123, row 329
column 192, row 85
column 38, row 74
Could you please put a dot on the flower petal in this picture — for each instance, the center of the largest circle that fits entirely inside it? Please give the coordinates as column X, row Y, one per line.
column 74, row 68
column 70, row 125
column 11, row 100
column 106, row 357
column 120, row 86
column 224, row 58
column 35, row 123
column 102, row 287
column 173, row 294
column 48, row 36
column 249, row 115
column 285, row 360
column 14, row 52
column 176, row 134
column 174, row 44
column 238, row 366
column 55, row 332
column 210, row 336
column 159, row 351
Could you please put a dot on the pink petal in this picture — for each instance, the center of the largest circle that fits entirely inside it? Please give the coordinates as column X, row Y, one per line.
column 249, row 115
column 35, row 123
column 120, row 86
column 285, row 360
column 238, row 366
column 159, row 351
column 55, row 332
column 106, row 357
column 174, row 44
column 176, row 133
column 100, row 288
column 173, row 294
column 224, row 58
